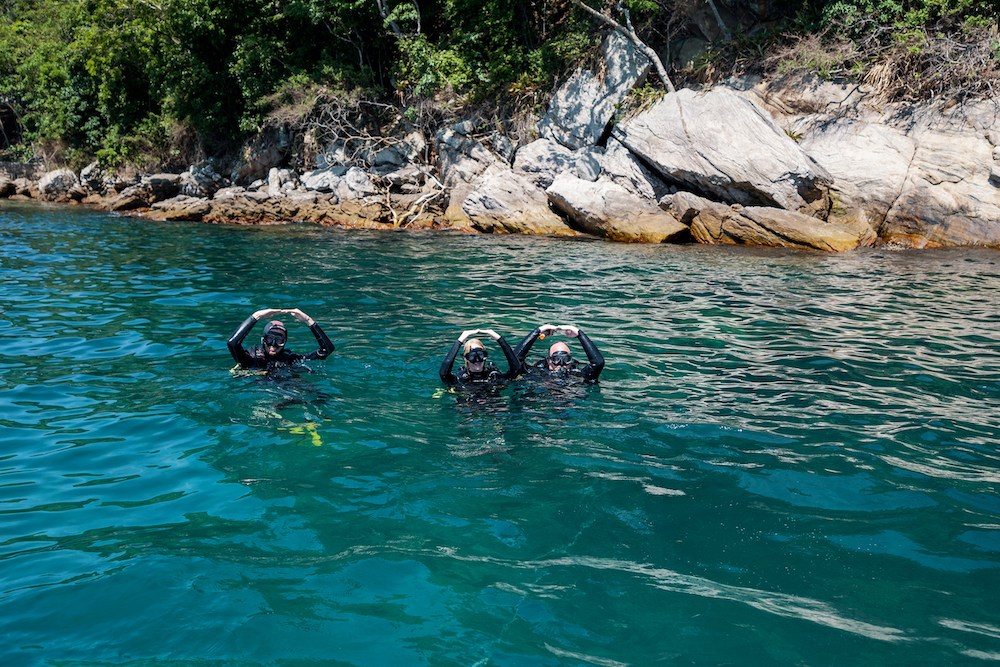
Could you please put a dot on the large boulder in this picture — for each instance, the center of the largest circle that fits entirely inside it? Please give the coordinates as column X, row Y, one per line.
column 25, row 187
column 726, row 146
column 950, row 196
column 355, row 185
column 508, row 202
column 58, row 185
column 620, row 166
column 181, row 207
column 92, row 176
column 161, row 186
column 201, row 181
column 581, row 109
column 715, row 223
column 461, row 161
column 869, row 163
column 6, row 187
column 541, row 160
column 145, row 193
column 805, row 92
column 280, row 181
column 270, row 148
column 247, row 208
column 323, row 180
column 608, row 210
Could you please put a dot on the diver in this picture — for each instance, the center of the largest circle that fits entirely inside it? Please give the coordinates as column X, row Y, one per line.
column 271, row 353
column 559, row 359
column 477, row 372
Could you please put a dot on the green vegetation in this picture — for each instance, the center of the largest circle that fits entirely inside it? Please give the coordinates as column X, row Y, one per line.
column 164, row 82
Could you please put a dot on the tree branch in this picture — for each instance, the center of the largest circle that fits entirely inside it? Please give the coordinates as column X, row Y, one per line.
column 630, row 34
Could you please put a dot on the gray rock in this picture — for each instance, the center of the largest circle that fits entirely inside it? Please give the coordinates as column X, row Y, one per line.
column 93, row 176
column 715, row 223
column 688, row 51
column 269, row 149
column 25, row 187
column 181, row 207
column 620, row 166
column 948, row 198
column 588, row 163
column 128, row 200
column 323, row 180
column 201, row 183
column 610, row 211
column 503, row 147
column 280, row 181
column 582, row 108
column 465, row 127
column 508, row 202
column 804, row 92
column 232, row 191
column 461, row 161
column 727, row 146
column 541, row 160
column 868, row 162
column 56, row 185
column 158, row 187
column 355, row 185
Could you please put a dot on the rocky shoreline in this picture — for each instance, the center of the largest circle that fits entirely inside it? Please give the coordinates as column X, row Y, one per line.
column 793, row 162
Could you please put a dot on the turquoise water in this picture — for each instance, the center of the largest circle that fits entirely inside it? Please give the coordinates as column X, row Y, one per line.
column 791, row 458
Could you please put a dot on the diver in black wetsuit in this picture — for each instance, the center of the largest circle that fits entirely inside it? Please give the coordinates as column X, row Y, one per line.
column 272, row 353
column 476, row 371
column 559, row 359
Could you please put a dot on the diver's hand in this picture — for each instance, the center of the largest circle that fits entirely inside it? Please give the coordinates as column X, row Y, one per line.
column 300, row 316
column 491, row 333
column 466, row 334
column 570, row 330
column 266, row 312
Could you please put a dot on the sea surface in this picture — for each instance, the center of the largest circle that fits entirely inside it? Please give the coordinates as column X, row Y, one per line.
column 791, row 458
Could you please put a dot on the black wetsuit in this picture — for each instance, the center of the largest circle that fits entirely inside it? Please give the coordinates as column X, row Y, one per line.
column 589, row 372
column 255, row 358
column 491, row 375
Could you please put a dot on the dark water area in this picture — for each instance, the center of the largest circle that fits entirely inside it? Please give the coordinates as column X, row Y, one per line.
column 791, row 458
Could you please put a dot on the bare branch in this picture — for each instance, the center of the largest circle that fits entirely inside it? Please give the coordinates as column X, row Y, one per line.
column 630, row 34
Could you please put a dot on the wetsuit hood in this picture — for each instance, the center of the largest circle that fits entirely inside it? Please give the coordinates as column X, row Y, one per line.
column 276, row 328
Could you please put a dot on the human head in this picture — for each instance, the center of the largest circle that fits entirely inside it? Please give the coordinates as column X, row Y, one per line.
column 274, row 338
column 559, row 358
column 475, row 355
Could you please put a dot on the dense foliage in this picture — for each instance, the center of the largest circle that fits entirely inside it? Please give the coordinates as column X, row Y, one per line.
column 130, row 79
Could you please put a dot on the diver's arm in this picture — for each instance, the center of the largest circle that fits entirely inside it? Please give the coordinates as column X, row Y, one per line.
column 235, row 341
column 594, row 356
column 524, row 347
column 512, row 360
column 325, row 344
column 449, row 360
